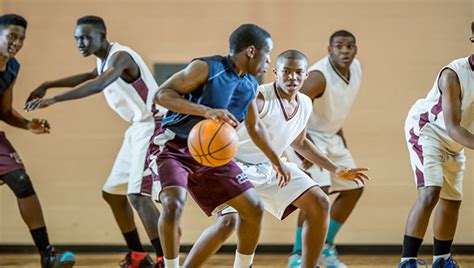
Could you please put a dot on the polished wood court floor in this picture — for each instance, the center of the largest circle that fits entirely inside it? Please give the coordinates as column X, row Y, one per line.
column 222, row 260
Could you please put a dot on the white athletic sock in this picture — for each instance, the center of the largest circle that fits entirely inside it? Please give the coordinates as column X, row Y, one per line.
column 445, row 256
column 174, row 263
column 243, row 261
column 407, row 258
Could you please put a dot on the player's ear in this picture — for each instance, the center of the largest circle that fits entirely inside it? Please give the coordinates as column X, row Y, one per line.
column 275, row 72
column 251, row 50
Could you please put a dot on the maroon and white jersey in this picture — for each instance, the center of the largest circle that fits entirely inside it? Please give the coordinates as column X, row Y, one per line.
column 428, row 112
column 132, row 101
column 332, row 108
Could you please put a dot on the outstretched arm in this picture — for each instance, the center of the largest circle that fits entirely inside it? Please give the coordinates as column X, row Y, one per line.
column 259, row 135
column 308, row 150
column 119, row 62
column 451, row 103
column 186, row 81
column 70, row 81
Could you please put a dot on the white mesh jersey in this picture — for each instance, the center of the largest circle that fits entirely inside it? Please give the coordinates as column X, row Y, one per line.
column 282, row 128
column 332, row 108
column 132, row 101
column 429, row 112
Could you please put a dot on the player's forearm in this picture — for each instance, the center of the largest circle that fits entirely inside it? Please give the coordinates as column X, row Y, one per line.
column 84, row 90
column 13, row 118
column 175, row 102
column 311, row 153
column 259, row 136
column 462, row 136
column 70, row 81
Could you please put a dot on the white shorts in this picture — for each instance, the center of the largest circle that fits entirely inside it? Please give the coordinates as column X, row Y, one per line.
column 432, row 163
column 333, row 148
column 278, row 201
column 129, row 174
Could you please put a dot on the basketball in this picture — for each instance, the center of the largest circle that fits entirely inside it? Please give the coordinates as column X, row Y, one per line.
column 213, row 143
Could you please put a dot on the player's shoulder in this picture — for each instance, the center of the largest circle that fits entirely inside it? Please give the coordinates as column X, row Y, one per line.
column 13, row 65
column 462, row 63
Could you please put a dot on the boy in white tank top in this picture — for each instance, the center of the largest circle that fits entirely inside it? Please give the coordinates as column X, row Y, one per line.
column 129, row 88
column 285, row 113
column 332, row 85
column 437, row 130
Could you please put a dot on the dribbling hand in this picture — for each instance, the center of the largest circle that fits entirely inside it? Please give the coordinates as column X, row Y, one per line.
column 39, row 126
column 221, row 114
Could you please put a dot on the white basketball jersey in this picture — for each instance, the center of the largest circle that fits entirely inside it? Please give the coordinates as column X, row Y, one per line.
column 132, row 101
column 429, row 110
column 332, row 108
column 282, row 128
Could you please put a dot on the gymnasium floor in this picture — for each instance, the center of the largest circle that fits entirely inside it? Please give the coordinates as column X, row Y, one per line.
column 222, row 260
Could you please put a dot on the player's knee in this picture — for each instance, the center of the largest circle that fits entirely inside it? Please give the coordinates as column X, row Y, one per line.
column 137, row 200
column 320, row 203
column 228, row 222
column 172, row 207
column 429, row 196
column 256, row 211
column 20, row 183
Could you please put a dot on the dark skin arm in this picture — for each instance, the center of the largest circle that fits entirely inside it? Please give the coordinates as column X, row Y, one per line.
column 13, row 118
column 70, row 81
column 259, row 135
column 303, row 146
column 451, row 103
column 186, row 81
column 121, row 64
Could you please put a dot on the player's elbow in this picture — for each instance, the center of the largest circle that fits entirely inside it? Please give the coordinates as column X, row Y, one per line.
column 160, row 97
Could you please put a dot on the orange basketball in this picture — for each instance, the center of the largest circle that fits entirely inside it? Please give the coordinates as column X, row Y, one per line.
column 213, row 143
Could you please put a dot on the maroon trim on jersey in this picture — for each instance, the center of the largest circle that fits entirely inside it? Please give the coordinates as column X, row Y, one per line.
column 417, row 148
column 420, row 178
column 141, row 88
column 287, row 118
column 471, row 62
column 346, row 80
column 437, row 108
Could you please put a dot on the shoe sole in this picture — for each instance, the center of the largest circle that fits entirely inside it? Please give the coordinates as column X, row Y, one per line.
column 67, row 264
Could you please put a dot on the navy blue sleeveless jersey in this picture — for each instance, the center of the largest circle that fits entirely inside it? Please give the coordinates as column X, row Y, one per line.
column 224, row 89
column 8, row 76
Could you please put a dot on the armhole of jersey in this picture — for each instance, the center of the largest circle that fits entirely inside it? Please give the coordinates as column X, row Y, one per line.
column 264, row 107
column 459, row 81
column 325, row 82
column 134, row 61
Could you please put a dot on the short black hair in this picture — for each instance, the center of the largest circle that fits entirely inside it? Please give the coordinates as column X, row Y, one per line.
column 95, row 21
column 13, row 19
column 292, row 54
column 343, row 33
column 246, row 35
